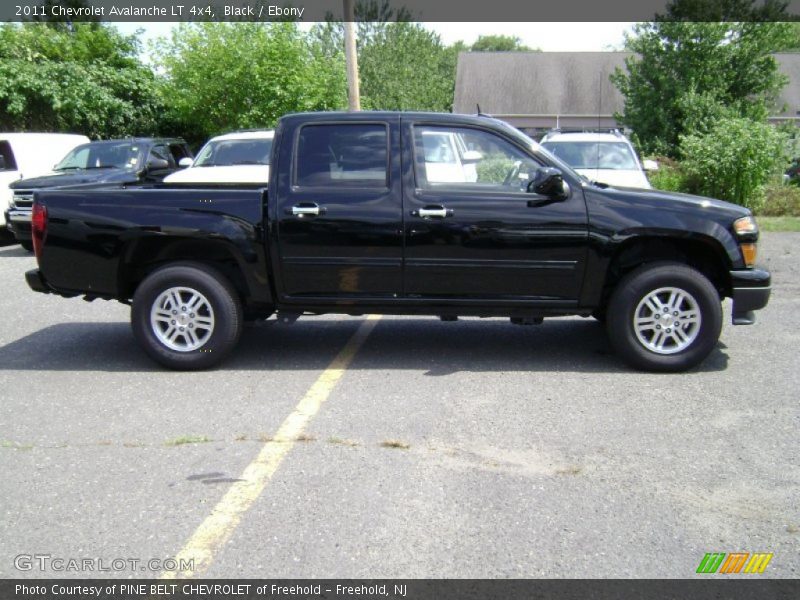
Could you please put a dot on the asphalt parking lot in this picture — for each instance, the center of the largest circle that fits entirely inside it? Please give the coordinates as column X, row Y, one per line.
column 467, row 449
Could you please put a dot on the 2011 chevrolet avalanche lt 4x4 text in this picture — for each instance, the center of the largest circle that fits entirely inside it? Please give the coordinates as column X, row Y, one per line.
column 365, row 213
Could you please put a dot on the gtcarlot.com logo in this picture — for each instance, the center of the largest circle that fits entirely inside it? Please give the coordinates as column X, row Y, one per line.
column 48, row 562
column 734, row 562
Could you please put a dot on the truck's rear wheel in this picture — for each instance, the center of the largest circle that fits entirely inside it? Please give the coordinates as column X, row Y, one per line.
column 664, row 317
column 186, row 316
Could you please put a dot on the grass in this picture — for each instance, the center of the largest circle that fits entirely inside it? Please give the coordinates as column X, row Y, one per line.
column 342, row 441
column 395, row 444
column 778, row 223
column 187, row 439
column 15, row 445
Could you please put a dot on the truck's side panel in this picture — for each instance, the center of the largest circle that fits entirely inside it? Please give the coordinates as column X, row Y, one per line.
column 94, row 236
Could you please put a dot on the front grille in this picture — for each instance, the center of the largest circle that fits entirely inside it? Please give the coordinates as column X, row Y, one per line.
column 23, row 199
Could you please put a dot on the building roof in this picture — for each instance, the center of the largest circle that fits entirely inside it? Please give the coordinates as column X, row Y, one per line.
column 537, row 83
column 563, row 83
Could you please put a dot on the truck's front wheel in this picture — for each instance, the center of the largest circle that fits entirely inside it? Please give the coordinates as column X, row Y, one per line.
column 664, row 317
column 186, row 316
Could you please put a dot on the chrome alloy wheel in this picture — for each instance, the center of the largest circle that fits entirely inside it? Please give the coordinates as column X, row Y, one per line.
column 667, row 320
column 182, row 319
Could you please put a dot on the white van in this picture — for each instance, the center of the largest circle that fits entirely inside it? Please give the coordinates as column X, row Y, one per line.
column 30, row 155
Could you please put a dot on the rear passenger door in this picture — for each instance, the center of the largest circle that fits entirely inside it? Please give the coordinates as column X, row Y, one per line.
column 340, row 212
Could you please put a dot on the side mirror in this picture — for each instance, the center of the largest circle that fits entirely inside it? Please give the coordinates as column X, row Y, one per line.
column 649, row 165
column 157, row 164
column 471, row 156
column 185, row 162
column 548, row 181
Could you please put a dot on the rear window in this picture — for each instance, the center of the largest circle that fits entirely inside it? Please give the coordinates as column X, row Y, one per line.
column 7, row 162
column 342, row 156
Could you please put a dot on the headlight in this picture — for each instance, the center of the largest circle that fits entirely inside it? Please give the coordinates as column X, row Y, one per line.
column 746, row 230
column 745, row 226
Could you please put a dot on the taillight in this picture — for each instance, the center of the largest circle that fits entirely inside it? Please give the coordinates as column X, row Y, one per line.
column 38, row 227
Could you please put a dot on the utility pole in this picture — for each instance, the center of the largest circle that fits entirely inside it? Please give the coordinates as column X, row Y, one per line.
column 353, row 95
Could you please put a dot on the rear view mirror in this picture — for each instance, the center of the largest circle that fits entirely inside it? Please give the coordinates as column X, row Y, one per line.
column 548, row 181
column 156, row 164
column 649, row 165
column 185, row 162
column 472, row 156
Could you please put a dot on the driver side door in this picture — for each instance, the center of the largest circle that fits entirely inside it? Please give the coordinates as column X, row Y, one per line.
column 484, row 236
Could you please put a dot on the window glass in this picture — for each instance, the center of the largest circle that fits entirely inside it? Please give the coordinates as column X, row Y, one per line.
column 162, row 152
column 469, row 159
column 7, row 162
column 101, row 156
column 178, row 152
column 342, row 155
column 594, row 155
column 234, row 152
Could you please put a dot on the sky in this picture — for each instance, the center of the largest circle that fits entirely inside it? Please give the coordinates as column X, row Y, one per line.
column 549, row 37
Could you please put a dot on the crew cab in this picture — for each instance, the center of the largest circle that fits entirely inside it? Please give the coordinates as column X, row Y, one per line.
column 122, row 162
column 356, row 219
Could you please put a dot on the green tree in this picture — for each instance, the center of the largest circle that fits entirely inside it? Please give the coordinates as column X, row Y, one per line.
column 224, row 76
column 500, row 43
column 77, row 77
column 726, row 63
column 402, row 65
column 734, row 159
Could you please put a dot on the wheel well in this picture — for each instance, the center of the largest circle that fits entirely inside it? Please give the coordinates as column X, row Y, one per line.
column 703, row 256
column 145, row 256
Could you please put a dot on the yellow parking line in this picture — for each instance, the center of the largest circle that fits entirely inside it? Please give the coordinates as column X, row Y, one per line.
column 218, row 527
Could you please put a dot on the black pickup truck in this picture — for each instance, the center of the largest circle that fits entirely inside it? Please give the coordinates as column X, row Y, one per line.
column 404, row 213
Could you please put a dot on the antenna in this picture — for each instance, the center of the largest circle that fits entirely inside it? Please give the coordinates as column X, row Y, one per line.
column 479, row 107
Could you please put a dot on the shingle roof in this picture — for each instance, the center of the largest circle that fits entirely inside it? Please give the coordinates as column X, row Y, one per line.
column 562, row 83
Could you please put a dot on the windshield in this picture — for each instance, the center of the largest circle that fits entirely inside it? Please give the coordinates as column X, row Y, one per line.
column 124, row 155
column 234, row 152
column 594, row 155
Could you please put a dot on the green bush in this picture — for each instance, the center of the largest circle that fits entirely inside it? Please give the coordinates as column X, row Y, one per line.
column 668, row 177
column 734, row 160
column 781, row 200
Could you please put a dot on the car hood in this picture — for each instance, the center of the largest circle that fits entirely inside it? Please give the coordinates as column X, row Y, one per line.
column 64, row 178
column 255, row 174
column 671, row 200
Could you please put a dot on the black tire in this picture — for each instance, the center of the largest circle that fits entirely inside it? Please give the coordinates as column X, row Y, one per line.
column 27, row 244
column 221, row 337
column 644, row 281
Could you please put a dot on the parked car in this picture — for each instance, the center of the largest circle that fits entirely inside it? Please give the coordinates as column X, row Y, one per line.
column 353, row 220
column 131, row 161
column 603, row 157
column 30, row 155
column 239, row 157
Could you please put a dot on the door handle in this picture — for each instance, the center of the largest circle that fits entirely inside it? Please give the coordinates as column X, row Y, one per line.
column 439, row 212
column 303, row 210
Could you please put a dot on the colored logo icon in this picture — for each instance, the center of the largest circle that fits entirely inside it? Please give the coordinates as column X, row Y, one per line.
column 734, row 562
